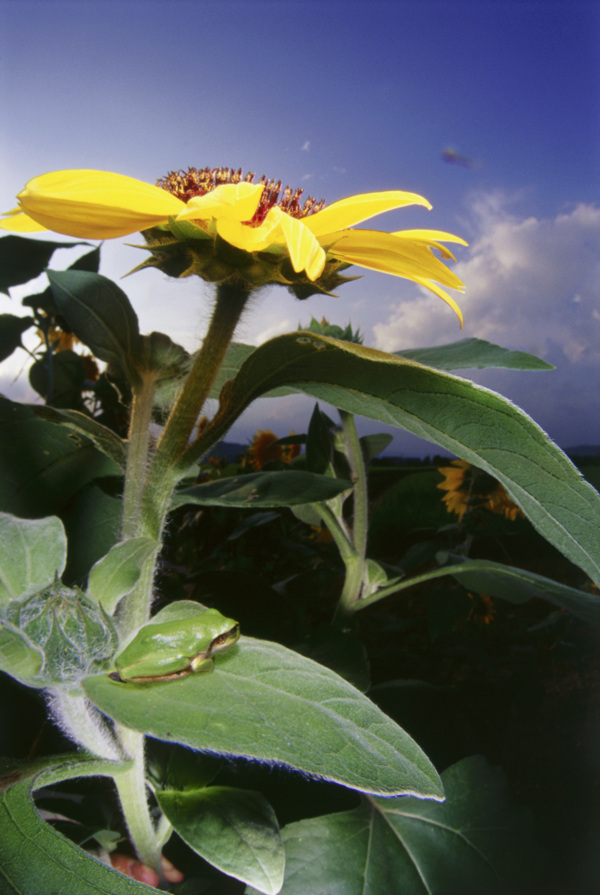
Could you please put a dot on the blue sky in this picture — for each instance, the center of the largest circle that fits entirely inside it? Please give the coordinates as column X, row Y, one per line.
column 340, row 98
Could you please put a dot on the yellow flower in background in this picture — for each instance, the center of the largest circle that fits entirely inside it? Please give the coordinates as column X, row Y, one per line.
column 468, row 488
column 265, row 449
column 457, row 496
column 259, row 220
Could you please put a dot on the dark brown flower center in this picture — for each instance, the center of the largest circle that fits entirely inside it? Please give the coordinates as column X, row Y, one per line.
column 197, row 182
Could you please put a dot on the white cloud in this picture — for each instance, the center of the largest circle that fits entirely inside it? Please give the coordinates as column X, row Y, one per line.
column 531, row 284
column 305, row 146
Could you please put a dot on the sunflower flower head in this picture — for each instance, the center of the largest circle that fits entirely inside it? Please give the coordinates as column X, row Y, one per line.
column 221, row 225
column 467, row 488
column 266, row 448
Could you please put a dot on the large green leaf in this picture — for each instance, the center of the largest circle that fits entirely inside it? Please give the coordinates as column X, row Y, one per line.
column 463, row 355
column 474, row 353
column 267, row 703
column 32, row 554
column 99, row 313
column 42, row 465
column 35, row 859
column 23, row 259
column 466, row 419
column 518, row 586
column 285, row 488
column 103, row 437
column 476, row 842
column 233, row 829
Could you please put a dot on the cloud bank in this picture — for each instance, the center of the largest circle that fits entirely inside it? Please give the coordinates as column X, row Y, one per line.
column 532, row 284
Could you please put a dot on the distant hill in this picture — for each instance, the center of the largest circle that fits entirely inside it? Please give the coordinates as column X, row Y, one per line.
column 228, row 450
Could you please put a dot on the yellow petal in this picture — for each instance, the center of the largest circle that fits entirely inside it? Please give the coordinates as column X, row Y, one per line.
column 305, row 251
column 355, row 209
column 437, row 290
column 229, row 201
column 251, row 239
column 96, row 204
column 377, row 250
column 17, row 222
column 431, row 238
column 279, row 232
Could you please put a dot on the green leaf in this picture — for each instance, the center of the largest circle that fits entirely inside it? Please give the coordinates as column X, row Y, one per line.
column 267, row 703
column 286, row 488
column 32, row 554
column 90, row 261
column 99, row 313
column 103, row 437
column 476, row 842
column 474, row 353
column 466, row 419
column 11, row 330
column 92, row 524
column 42, row 464
column 518, row 586
column 235, row 830
column 319, row 442
column 23, row 259
column 374, row 444
column 59, row 378
column 117, row 573
column 236, row 354
column 19, row 657
column 36, row 859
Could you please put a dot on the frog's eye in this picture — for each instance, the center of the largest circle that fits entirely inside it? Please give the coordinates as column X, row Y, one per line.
column 225, row 639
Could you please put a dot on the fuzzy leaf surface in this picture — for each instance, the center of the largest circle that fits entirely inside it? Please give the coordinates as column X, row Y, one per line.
column 233, row 829
column 468, row 420
column 265, row 703
column 36, row 859
column 476, row 841
column 103, row 437
column 518, row 586
column 117, row 573
column 468, row 354
column 99, row 313
column 32, row 553
column 286, row 488
column 42, row 465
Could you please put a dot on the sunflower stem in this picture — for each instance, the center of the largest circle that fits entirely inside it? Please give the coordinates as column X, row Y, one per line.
column 358, row 472
column 149, row 484
column 131, row 788
column 230, row 302
column 137, row 454
column 354, row 562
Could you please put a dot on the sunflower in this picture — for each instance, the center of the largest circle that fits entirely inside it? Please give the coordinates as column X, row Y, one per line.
column 218, row 223
column 265, row 448
column 468, row 488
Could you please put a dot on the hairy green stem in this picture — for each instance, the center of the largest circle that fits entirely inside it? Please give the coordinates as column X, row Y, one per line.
column 411, row 582
column 137, row 454
column 131, row 787
column 230, row 302
column 354, row 455
column 149, row 484
column 355, row 563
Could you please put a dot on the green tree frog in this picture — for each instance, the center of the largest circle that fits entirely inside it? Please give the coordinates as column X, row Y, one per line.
column 168, row 650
